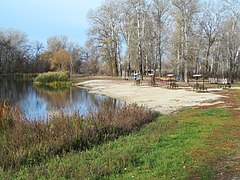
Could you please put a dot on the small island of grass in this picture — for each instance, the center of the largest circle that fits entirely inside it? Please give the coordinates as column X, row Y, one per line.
column 53, row 79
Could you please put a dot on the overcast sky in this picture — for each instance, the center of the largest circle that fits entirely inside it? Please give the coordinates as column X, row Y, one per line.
column 41, row 19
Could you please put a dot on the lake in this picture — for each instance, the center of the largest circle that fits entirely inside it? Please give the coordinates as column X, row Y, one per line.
column 40, row 102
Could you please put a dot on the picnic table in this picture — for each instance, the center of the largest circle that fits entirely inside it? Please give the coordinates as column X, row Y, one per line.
column 224, row 83
column 221, row 82
column 198, row 86
column 171, row 82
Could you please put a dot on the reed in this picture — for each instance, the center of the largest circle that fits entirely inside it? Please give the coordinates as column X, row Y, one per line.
column 50, row 77
column 27, row 143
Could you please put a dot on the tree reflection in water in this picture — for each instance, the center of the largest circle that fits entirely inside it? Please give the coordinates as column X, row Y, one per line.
column 39, row 102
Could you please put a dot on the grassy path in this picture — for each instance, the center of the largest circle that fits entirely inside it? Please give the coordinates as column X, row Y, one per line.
column 229, row 167
column 197, row 143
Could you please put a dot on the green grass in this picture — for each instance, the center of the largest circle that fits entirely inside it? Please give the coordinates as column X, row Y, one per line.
column 53, row 79
column 50, row 77
column 177, row 146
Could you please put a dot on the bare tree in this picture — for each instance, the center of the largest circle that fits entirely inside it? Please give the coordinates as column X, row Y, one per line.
column 57, row 43
column 195, row 34
column 77, row 55
column 231, row 36
column 13, row 51
column 160, row 15
column 184, row 12
column 210, row 21
column 104, row 34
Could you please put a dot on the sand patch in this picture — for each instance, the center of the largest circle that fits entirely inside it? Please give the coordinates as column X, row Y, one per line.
column 160, row 99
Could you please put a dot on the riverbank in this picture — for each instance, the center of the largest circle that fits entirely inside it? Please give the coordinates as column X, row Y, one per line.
column 30, row 143
column 194, row 143
column 191, row 144
column 160, row 99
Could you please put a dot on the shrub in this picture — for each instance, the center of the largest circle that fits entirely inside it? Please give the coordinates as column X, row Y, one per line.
column 49, row 77
column 7, row 115
column 31, row 142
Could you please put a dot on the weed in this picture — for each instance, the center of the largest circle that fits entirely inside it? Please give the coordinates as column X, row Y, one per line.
column 32, row 142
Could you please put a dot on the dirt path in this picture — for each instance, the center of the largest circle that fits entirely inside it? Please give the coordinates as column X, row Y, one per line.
column 157, row 98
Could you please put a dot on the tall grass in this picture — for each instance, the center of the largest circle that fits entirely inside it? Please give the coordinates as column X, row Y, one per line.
column 50, row 77
column 7, row 116
column 27, row 143
column 25, row 76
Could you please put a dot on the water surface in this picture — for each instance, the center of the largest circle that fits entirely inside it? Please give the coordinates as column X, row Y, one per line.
column 40, row 102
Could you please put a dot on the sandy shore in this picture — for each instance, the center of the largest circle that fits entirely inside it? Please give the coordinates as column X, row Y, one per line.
column 157, row 98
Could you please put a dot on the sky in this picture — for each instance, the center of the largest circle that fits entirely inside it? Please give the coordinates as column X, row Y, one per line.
column 41, row 19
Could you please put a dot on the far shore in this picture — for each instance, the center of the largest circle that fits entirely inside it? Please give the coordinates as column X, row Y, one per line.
column 160, row 99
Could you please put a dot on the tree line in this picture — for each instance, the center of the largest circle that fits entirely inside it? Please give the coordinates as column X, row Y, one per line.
column 183, row 37
column 186, row 36
column 18, row 55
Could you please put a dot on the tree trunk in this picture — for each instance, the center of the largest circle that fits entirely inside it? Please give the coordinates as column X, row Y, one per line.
column 116, row 73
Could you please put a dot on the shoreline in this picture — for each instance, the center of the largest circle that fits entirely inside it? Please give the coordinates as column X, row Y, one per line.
column 163, row 100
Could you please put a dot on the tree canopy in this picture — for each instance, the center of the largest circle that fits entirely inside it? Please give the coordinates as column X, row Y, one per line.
column 183, row 37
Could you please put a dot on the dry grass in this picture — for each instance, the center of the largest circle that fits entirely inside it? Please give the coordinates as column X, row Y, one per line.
column 28, row 143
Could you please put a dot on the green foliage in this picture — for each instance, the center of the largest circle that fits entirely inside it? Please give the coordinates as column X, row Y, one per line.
column 51, row 77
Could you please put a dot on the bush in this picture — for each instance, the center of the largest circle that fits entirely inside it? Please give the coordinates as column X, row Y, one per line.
column 32, row 142
column 49, row 77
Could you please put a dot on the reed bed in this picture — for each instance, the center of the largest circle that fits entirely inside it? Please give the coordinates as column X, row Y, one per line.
column 27, row 143
column 50, row 77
